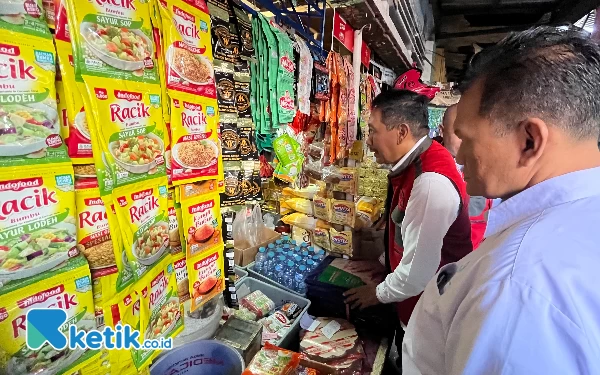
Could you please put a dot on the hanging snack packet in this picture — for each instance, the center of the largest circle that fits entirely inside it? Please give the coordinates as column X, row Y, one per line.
column 61, row 106
column 289, row 156
column 304, row 76
column 125, row 273
column 286, row 70
column 207, row 276
column 233, row 190
column 142, row 211
column 347, row 181
column 226, row 97
column 133, row 133
column 187, row 42
column 247, row 145
column 242, row 96
column 37, row 224
column 162, row 302
column 342, row 212
column 29, row 115
column 244, row 28
column 196, row 151
column 195, row 189
column 68, row 288
column 181, row 276
column 269, row 73
column 341, row 242
column 322, row 207
column 230, row 141
column 202, row 223
column 103, row 287
column 224, row 44
column 256, row 183
column 93, row 233
column 174, row 235
column 320, row 237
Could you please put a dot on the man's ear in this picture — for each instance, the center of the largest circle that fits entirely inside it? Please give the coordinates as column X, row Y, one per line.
column 403, row 131
column 533, row 137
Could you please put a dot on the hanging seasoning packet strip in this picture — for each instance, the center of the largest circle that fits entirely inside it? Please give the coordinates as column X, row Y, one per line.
column 230, row 141
column 242, row 96
column 202, row 223
column 225, row 90
column 224, row 43
column 181, row 276
column 93, row 233
column 286, row 70
column 244, row 28
column 233, row 192
column 142, row 211
column 133, row 134
column 113, row 39
column 196, row 153
column 25, row 17
column 174, row 235
column 125, row 273
column 187, row 42
column 247, row 144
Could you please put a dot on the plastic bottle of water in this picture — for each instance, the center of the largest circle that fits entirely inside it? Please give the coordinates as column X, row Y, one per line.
column 278, row 243
column 286, row 239
column 321, row 254
column 289, row 276
column 311, row 250
column 259, row 260
column 304, row 246
column 305, row 255
column 269, row 265
column 300, row 284
column 293, row 242
column 298, row 260
column 271, row 247
column 316, row 259
column 310, row 265
column 278, row 273
column 286, row 247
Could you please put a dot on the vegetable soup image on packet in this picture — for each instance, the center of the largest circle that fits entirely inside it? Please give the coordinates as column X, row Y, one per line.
column 93, row 233
column 142, row 211
column 68, row 288
column 113, row 39
column 29, row 118
column 162, row 301
column 133, row 134
column 24, row 16
column 196, row 150
column 207, row 276
column 188, row 49
column 37, row 220
column 202, row 223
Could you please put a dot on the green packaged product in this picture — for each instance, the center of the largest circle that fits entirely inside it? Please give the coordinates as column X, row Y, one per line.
column 271, row 70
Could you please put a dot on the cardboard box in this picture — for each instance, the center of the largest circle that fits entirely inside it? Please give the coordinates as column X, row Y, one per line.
column 245, row 254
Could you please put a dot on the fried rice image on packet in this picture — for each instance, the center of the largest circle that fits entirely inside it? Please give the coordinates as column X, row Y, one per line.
column 37, row 220
column 142, row 212
column 68, row 288
column 196, row 150
column 188, row 49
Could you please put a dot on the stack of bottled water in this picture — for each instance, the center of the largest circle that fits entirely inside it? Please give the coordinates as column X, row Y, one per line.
column 288, row 263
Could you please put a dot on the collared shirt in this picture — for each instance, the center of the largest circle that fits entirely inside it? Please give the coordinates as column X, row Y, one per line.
column 527, row 301
column 432, row 208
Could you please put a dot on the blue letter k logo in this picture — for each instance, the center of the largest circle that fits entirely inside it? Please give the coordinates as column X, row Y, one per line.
column 43, row 325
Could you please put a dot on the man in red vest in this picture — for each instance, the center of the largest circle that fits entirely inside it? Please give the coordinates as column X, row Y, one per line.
column 427, row 205
column 478, row 206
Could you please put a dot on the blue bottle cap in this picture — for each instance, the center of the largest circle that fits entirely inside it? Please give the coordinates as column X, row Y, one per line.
column 293, row 242
column 302, row 268
column 286, row 246
column 305, row 253
column 290, row 264
column 282, row 258
column 304, row 244
column 321, row 252
column 312, row 248
column 278, row 242
column 286, row 238
column 316, row 258
column 310, row 262
column 271, row 246
column 262, row 249
column 271, row 254
column 298, row 258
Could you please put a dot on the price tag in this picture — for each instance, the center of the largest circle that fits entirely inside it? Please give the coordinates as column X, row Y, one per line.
column 331, row 328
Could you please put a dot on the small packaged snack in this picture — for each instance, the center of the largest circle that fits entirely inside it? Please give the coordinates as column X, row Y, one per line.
column 320, row 237
column 342, row 212
column 300, row 220
column 225, row 89
column 174, row 235
column 233, row 192
column 275, row 327
column 341, row 242
column 300, row 205
column 247, row 145
column 347, row 182
column 322, row 207
column 258, row 303
column 196, row 188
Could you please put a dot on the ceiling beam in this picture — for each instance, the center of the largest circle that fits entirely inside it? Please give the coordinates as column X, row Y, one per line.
column 497, row 30
column 571, row 11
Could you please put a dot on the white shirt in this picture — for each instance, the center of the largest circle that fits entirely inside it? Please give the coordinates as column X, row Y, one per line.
column 432, row 208
column 527, row 301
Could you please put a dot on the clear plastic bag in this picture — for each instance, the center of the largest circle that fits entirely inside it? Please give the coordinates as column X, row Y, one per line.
column 249, row 227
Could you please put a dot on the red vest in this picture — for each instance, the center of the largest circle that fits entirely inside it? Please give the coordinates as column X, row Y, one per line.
column 428, row 157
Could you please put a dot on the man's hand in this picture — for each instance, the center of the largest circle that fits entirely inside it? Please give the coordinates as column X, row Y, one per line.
column 362, row 297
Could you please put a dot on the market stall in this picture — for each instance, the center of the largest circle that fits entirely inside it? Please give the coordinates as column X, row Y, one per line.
column 195, row 170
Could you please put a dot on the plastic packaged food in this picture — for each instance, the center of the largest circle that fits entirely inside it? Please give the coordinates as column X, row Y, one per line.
column 29, row 118
column 321, row 238
column 93, row 233
column 68, row 288
column 289, row 156
column 187, row 42
column 347, row 182
column 230, row 141
column 161, row 298
column 233, row 191
column 181, row 276
column 225, row 89
column 174, row 235
column 342, row 212
column 142, row 212
column 133, row 133
column 258, row 303
column 368, row 210
column 197, row 188
column 322, row 207
column 272, row 360
column 125, row 273
column 341, row 242
column 306, row 192
column 202, row 223
column 275, row 327
column 37, row 224
column 301, row 220
column 196, row 149
column 300, row 205
column 25, row 17
column 206, row 275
